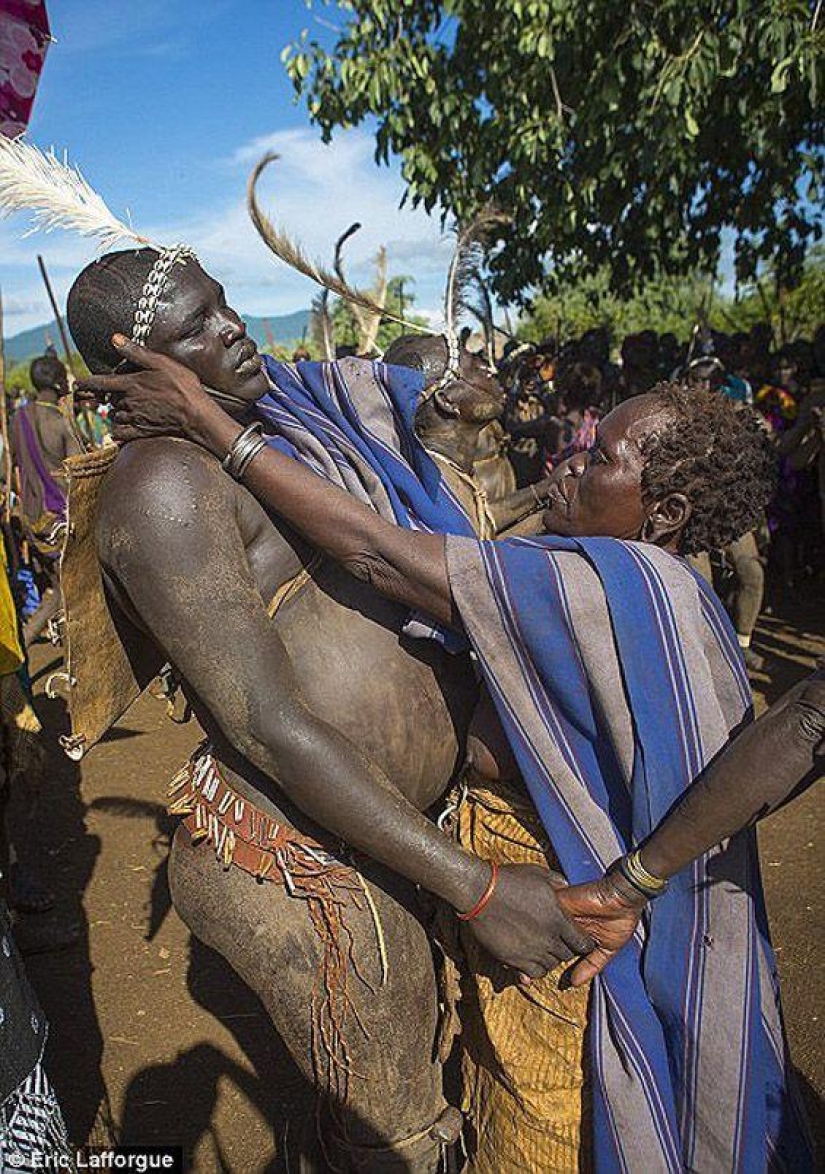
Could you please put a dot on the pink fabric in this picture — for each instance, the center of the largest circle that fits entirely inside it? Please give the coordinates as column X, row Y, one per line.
column 582, row 439
column 24, row 39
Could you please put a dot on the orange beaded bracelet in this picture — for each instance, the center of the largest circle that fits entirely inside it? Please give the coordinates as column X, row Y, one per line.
column 485, row 898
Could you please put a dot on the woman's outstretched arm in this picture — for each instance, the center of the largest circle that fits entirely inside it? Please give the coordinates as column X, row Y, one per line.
column 165, row 398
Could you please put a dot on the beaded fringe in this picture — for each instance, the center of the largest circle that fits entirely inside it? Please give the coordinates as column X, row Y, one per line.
column 277, row 852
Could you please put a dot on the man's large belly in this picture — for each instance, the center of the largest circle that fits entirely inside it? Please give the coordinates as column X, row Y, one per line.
column 405, row 703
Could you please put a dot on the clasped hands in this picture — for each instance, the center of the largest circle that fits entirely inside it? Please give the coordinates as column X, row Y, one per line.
column 536, row 921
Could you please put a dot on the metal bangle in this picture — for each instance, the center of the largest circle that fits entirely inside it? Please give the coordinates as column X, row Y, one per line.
column 637, row 875
column 249, row 457
column 646, row 877
column 236, row 458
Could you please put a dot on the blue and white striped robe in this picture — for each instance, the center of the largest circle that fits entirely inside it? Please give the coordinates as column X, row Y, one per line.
column 618, row 678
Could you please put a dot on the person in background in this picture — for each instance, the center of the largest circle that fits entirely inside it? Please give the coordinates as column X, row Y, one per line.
column 640, row 363
column 596, row 652
column 42, row 437
column 92, row 419
column 793, row 512
column 803, row 444
column 578, row 388
column 670, row 355
column 742, row 556
column 528, row 412
column 32, row 1131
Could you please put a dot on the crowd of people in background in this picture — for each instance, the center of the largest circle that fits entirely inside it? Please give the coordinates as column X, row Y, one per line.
column 558, row 393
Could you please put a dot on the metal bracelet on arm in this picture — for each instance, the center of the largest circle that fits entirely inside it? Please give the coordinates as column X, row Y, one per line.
column 245, row 447
column 636, row 875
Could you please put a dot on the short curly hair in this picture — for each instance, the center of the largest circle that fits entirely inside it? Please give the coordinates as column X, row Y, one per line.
column 719, row 455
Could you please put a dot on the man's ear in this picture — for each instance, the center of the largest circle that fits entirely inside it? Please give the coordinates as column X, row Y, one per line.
column 666, row 520
column 445, row 403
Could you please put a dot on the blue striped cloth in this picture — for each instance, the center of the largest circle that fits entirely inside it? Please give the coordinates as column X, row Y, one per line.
column 617, row 677
column 352, row 422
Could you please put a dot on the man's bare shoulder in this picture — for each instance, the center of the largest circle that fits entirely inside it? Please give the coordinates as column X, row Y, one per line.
column 161, row 494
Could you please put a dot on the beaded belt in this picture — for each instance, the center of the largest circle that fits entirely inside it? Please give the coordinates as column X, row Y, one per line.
column 243, row 835
column 246, row 837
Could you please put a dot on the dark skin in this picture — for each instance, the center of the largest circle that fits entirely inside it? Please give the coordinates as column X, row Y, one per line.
column 310, row 715
column 449, row 423
column 166, row 507
column 57, row 440
column 593, row 493
column 492, row 467
column 772, row 761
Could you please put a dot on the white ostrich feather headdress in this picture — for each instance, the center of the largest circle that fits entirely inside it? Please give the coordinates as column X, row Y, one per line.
column 56, row 195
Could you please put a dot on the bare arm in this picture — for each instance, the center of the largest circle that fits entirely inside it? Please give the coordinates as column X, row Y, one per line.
column 773, row 760
column 169, row 538
column 770, row 762
column 406, row 566
column 508, row 511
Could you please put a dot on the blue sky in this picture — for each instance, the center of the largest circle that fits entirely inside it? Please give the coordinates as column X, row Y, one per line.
column 164, row 105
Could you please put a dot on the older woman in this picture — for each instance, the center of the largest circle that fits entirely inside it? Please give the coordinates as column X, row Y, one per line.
column 613, row 678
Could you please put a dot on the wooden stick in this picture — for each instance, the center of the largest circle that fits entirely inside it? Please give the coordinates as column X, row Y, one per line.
column 58, row 317
column 61, row 326
column 4, row 422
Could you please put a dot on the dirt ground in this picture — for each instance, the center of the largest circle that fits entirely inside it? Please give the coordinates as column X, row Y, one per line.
column 154, row 1040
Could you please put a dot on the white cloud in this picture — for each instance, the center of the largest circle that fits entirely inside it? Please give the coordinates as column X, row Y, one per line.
column 314, row 191
column 16, row 305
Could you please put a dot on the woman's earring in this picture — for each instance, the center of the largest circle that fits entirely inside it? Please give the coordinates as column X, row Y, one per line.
column 648, row 530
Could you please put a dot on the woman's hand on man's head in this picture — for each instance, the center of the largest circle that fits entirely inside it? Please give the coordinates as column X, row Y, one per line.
column 162, row 398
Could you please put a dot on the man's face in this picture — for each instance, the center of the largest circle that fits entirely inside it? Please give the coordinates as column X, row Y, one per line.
column 479, row 395
column 195, row 327
column 599, row 492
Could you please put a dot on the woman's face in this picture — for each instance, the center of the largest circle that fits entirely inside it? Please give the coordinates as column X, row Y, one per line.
column 599, row 492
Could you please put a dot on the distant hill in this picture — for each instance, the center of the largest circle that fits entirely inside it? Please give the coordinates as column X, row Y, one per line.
column 284, row 327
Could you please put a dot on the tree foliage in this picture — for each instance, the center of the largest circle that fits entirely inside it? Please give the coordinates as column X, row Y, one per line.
column 621, row 138
column 675, row 305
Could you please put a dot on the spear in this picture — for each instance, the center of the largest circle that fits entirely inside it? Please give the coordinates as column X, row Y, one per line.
column 58, row 316
column 401, row 299
column 61, row 326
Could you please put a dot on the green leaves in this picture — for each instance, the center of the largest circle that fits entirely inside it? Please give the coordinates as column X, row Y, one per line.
column 621, row 138
column 779, row 76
